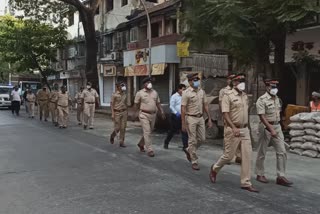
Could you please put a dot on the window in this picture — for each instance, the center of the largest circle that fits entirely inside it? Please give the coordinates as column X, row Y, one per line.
column 108, row 43
column 134, row 34
column 70, row 18
column 97, row 11
column 109, row 5
column 154, row 1
column 124, row 3
column 155, row 30
column 81, row 49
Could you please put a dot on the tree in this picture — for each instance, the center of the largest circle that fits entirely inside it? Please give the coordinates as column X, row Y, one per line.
column 249, row 29
column 55, row 10
column 29, row 44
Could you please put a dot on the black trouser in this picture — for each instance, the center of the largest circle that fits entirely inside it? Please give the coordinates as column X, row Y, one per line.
column 175, row 126
column 15, row 107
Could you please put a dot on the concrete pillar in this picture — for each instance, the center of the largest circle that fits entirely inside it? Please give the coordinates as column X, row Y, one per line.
column 302, row 86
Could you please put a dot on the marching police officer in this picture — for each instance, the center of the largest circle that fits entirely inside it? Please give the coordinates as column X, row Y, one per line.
column 79, row 106
column 42, row 100
column 148, row 101
column 30, row 101
column 89, row 98
column 119, row 112
column 193, row 104
column 235, row 111
column 63, row 101
column 270, row 133
column 53, row 104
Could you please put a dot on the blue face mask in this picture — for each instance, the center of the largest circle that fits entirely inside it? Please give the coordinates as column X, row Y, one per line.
column 196, row 84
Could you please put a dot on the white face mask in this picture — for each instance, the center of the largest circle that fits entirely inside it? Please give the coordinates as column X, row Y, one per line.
column 88, row 86
column 123, row 88
column 273, row 91
column 149, row 86
column 241, row 86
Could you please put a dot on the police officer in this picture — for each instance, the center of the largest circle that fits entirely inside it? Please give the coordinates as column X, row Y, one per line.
column 53, row 104
column 89, row 98
column 119, row 112
column 30, row 101
column 193, row 104
column 235, row 111
column 147, row 101
column 63, row 101
column 223, row 92
column 42, row 100
column 270, row 133
column 79, row 106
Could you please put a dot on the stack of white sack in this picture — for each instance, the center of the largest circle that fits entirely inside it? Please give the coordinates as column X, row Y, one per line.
column 305, row 134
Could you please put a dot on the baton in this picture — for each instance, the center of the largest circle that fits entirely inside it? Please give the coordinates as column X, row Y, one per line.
column 278, row 138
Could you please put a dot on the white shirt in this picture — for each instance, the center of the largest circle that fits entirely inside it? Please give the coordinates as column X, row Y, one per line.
column 15, row 95
column 175, row 103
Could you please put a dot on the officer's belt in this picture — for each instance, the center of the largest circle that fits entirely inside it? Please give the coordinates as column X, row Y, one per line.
column 52, row 102
column 147, row 112
column 195, row 115
column 62, row 105
column 121, row 110
column 274, row 123
column 43, row 100
column 90, row 102
column 240, row 126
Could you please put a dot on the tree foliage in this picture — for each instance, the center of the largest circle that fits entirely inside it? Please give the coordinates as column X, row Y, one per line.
column 249, row 29
column 30, row 44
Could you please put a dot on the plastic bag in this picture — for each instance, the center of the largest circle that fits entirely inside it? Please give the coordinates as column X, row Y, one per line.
column 311, row 138
column 296, row 133
column 318, row 147
column 318, row 134
column 298, row 139
column 310, row 153
column 311, row 132
column 297, row 151
column 317, row 126
column 317, row 119
column 296, row 125
column 309, row 146
column 310, row 125
column 309, row 117
column 296, row 145
column 296, row 118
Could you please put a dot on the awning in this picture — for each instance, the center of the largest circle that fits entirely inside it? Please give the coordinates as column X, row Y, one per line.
column 142, row 70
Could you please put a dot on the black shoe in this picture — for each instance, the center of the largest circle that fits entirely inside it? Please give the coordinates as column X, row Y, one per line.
column 85, row 127
column 166, row 146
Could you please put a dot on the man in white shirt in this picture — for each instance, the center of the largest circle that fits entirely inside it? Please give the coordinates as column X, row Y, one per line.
column 175, row 125
column 15, row 101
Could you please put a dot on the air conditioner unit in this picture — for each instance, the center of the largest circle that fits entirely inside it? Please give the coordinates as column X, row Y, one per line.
column 114, row 56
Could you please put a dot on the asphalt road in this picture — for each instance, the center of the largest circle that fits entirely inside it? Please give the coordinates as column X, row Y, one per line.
column 45, row 170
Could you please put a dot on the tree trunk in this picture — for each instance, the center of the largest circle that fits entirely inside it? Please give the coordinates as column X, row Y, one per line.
column 279, row 41
column 87, row 17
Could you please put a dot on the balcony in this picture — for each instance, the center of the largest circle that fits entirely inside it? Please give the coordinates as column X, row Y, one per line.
column 163, row 40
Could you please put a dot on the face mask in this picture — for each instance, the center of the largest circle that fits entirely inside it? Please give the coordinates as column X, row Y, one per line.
column 88, row 86
column 241, row 86
column 149, row 86
column 123, row 88
column 196, row 84
column 274, row 91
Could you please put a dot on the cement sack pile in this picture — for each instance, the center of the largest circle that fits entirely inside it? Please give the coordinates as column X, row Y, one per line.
column 305, row 134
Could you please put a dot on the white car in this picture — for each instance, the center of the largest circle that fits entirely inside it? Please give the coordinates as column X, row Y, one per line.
column 5, row 92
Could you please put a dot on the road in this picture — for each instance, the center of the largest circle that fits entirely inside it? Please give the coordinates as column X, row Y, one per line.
column 45, row 170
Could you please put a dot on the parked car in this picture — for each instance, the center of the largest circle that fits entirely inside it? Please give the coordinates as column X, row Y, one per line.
column 5, row 92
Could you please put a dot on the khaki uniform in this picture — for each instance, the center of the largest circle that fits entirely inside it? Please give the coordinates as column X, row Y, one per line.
column 119, row 102
column 223, row 92
column 31, row 100
column 89, row 98
column 63, row 108
column 53, row 97
column 194, row 101
column 42, row 99
column 271, row 109
column 79, row 107
column 236, row 105
column 148, row 111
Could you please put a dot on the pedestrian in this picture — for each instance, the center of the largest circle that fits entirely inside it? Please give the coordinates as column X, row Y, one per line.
column 175, row 124
column 53, row 97
column 193, row 104
column 89, row 98
column 270, row 134
column 119, row 112
column 42, row 100
column 30, row 100
column 315, row 102
column 63, row 102
column 79, row 106
column 235, row 107
column 223, row 92
column 25, row 99
column 148, row 102
column 15, row 101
